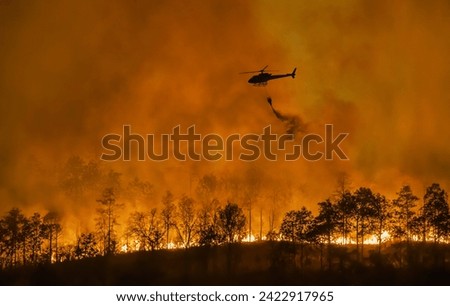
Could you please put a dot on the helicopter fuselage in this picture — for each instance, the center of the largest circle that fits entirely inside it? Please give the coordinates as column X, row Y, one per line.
column 262, row 78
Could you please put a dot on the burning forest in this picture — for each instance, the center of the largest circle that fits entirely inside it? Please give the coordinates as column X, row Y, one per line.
column 339, row 165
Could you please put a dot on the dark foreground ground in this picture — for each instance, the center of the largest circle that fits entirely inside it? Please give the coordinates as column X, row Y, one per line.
column 265, row 263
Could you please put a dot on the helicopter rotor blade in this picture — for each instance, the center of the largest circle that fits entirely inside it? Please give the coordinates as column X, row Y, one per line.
column 249, row 72
column 260, row 71
column 264, row 69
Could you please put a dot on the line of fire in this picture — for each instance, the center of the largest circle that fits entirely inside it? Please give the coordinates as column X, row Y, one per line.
column 354, row 227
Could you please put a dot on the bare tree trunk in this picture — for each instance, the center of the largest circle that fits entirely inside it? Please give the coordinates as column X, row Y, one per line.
column 260, row 224
column 250, row 221
column 357, row 238
column 24, row 255
column 167, row 235
column 380, row 233
column 50, row 245
column 362, row 241
column 109, row 230
column 56, row 247
column 344, row 230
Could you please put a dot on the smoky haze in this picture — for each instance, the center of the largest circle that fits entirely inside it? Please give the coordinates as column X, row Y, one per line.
column 72, row 73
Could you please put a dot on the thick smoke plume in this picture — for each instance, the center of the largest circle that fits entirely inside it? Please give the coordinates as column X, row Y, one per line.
column 72, row 73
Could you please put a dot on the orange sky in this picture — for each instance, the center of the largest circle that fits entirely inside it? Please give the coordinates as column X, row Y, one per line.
column 71, row 73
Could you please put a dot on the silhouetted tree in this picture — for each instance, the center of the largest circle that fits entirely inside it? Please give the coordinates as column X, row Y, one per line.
column 418, row 226
column 146, row 230
column 403, row 213
column 318, row 236
column 253, row 183
column 382, row 214
column 22, row 238
column 25, row 240
column 187, row 220
column 107, row 219
column 272, row 235
column 346, row 213
column 210, row 234
column 296, row 227
column 296, row 224
column 325, row 225
column 209, row 231
column 327, row 219
column 365, row 211
column 13, row 235
column 37, row 233
column 232, row 222
column 168, row 214
column 155, row 231
column 52, row 228
column 67, row 252
column 86, row 246
column 436, row 211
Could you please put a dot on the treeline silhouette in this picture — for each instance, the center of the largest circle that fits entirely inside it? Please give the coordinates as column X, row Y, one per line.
column 354, row 234
column 22, row 238
column 342, row 233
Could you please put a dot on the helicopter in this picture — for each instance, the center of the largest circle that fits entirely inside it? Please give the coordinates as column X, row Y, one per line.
column 263, row 77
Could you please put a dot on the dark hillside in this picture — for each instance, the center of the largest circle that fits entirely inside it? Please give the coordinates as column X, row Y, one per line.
column 265, row 263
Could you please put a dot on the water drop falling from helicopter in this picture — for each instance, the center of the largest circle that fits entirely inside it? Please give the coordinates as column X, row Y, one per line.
column 294, row 124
